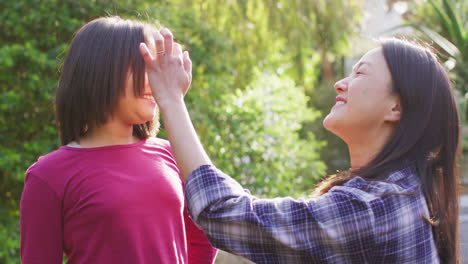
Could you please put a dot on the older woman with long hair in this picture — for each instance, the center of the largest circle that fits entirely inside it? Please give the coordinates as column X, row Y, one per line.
column 397, row 203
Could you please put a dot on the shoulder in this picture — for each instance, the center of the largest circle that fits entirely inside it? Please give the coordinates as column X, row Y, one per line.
column 397, row 199
column 52, row 168
column 398, row 194
column 161, row 148
column 403, row 181
column 158, row 142
column 49, row 162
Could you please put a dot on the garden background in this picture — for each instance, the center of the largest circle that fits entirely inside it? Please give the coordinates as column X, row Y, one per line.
column 263, row 81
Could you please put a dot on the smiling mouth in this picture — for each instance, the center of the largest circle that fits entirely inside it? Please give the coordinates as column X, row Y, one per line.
column 340, row 100
column 148, row 96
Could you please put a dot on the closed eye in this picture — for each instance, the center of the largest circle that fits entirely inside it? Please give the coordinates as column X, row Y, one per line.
column 357, row 73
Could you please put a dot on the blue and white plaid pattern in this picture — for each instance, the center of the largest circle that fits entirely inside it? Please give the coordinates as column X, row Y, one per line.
column 360, row 222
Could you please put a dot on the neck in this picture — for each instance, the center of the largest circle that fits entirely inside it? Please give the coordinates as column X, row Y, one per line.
column 366, row 147
column 111, row 133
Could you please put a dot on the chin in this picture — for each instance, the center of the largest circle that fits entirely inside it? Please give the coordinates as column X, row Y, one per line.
column 337, row 127
column 332, row 124
column 149, row 119
column 143, row 119
column 329, row 122
column 149, row 115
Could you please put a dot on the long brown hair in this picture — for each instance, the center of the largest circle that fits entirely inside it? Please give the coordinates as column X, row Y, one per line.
column 427, row 137
column 94, row 74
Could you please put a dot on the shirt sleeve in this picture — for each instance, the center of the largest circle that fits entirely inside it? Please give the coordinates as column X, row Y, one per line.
column 199, row 248
column 336, row 227
column 40, row 223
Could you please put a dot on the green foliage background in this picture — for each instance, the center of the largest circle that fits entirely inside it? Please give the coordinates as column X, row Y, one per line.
column 256, row 64
column 445, row 24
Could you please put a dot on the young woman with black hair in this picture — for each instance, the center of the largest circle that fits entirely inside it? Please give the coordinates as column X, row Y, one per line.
column 397, row 204
column 112, row 193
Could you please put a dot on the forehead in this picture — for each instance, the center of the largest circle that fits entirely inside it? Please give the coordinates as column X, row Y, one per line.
column 374, row 58
column 376, row 66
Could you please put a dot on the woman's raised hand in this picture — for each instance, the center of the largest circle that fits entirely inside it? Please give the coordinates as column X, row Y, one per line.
column 169, row 71
column 170, row 75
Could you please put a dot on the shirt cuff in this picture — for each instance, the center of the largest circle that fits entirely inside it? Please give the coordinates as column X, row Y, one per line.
column 205, row 186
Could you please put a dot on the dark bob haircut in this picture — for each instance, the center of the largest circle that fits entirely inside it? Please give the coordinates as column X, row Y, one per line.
column 94, row 74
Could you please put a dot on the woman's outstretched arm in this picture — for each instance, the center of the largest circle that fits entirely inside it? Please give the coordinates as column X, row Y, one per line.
column 346, row 225
column 169, row 87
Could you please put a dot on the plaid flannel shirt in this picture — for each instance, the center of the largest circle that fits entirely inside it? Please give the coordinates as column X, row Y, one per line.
column 360, row 222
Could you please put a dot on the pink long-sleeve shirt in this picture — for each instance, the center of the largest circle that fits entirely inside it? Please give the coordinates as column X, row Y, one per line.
column 114, row 204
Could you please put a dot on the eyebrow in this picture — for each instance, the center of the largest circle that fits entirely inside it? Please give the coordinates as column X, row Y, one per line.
column 360, row 64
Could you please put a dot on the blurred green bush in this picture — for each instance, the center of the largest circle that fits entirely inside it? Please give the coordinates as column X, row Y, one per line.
column 254, row 136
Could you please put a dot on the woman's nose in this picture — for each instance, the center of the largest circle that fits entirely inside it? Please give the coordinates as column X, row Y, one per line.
column 341, row 86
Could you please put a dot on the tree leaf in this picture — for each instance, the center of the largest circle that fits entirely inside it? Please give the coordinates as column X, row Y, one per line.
column 440, row 41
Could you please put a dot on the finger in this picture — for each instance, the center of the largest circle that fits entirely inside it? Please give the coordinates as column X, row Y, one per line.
column 168, row 40
column 188, row 65
column 187, row 62
column 177, row 49
column 158, row 43
column 145, row 53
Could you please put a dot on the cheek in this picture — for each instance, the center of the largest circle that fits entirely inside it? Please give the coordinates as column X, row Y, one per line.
column 363, row 99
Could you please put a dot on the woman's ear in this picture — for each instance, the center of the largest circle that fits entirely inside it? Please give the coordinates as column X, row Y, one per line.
column 394, row 114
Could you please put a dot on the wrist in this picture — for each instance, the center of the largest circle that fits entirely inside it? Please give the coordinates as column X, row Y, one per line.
column 168, row 103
